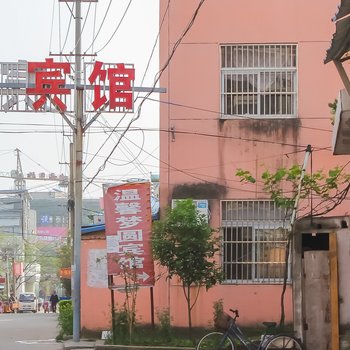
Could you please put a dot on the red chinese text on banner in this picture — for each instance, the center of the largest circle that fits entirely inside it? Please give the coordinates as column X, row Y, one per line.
column 128, row 231
column 49, row 80
column 120, row 86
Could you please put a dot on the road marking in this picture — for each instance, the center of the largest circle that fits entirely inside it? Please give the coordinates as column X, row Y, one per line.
column 35, row 342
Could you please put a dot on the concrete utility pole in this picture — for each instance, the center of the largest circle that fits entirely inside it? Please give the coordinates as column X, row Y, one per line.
column 78, row 172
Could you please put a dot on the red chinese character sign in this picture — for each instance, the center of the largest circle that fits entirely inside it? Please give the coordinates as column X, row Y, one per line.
column 128, row 232
column 48, row 86
column 119, row 78
column 49, row 80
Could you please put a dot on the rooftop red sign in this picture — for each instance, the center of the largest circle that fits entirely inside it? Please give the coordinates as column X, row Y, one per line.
column 111, row 83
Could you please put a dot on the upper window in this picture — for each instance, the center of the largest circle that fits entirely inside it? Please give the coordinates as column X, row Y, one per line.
column 258, row 81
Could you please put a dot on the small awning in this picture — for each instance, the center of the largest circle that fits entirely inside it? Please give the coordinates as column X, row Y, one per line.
column 341, row 38
column 93, row 228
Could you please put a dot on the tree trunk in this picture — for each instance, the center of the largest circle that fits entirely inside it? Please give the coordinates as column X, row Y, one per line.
column 188, row 299
column 285, row 277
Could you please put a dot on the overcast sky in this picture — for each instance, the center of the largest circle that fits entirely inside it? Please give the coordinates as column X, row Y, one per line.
column 30, row 30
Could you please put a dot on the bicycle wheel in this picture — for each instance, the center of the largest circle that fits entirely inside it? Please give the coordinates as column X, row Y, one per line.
column 215, row 341
column 282, row 341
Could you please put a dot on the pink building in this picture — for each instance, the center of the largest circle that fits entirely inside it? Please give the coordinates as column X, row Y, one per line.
column 246, row 88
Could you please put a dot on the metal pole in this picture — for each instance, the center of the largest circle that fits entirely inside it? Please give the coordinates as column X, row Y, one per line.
column 297, row 198
column 152, row 307
column 114, row 335
column 7, row 276
column 13, row 273
column 78, row 193
column 71, row 203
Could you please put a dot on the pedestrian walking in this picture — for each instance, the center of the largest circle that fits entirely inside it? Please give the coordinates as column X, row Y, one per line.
column 54, row 300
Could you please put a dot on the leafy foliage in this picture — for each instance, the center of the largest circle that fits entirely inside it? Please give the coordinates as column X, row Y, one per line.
column 164, row 324
column 283, row 186
column 184, row 243
column 329, row 188
column 131, row 288
column 121, row 330
column 65, row 260
column 333, row 108
column 65, row 317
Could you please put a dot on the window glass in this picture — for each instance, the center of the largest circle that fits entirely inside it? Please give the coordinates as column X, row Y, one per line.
column 258, row 80
column 254, row 241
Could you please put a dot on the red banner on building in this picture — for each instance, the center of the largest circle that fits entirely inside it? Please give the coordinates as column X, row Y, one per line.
column 128, row 232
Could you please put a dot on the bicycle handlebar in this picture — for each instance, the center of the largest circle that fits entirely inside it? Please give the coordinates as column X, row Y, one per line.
column 235, row 312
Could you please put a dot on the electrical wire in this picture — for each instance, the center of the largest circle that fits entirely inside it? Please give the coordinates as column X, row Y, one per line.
column 109, row 136
column 52, row 21
column 233, row 117
column 59, row 30
column 99, row 30
column 110, row 129
column 82, row 29
column 158, row 76
column 149, row 60
column 154, row 45
column 68, row 29
column 115, row 31
column 191, row 133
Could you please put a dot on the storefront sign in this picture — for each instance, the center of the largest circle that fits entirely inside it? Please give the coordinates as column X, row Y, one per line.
column 128, row 232
column 45, row 86
column 65, row 272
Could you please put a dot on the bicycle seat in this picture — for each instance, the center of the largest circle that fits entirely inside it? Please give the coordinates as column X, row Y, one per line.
column 270, row 324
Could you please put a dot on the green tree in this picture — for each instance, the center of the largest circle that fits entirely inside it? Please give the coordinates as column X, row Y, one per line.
column 65, row 261
column 328, row 190
column 127, row 312
column 184, row 243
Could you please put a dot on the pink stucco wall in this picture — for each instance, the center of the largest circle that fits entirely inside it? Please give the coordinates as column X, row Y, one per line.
column 196, row 146
column 96, row 302
column 168, row 295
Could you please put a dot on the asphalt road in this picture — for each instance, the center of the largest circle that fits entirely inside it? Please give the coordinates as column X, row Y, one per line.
column 29, row 331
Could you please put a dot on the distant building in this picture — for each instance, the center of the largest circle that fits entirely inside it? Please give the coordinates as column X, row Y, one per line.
column 52, row 213
column 16, row 216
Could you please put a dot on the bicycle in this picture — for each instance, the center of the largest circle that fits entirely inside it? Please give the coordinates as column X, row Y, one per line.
column 232, row 334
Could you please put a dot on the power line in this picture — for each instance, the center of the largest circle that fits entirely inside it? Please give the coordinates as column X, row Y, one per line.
column 99, row 30
column 233, row 117
column 144, row 75
column 155, row 44
column 119, row 24
column 158, row 76
column 69, row 24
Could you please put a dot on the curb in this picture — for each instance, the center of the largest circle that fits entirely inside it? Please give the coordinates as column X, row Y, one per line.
column 82, row 345
column 101, row 346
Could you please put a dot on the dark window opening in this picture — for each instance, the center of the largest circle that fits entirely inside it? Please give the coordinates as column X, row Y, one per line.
column 318, row 241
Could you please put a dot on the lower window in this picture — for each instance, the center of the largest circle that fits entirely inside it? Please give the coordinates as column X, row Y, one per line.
column 254, row 242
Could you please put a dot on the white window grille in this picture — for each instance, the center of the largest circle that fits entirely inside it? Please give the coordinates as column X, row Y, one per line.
column 254, row 242
column 259, row 81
